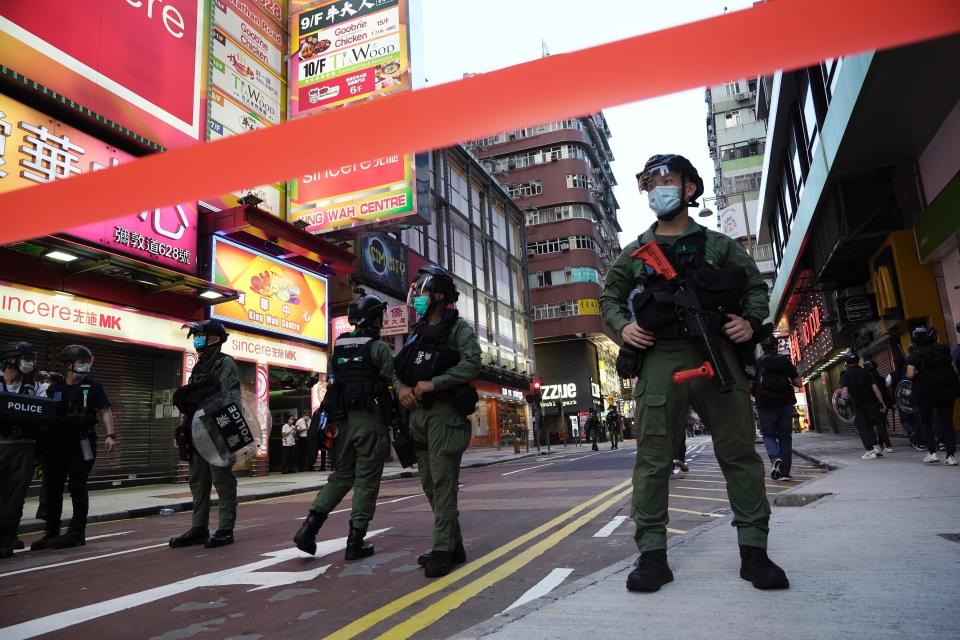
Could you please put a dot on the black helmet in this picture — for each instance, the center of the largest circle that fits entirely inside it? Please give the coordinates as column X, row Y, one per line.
column 74, row 353
column 17, row 350
column 593, row 410
column 924, row 335
column 365, row 310
column 850, row 357
column 770, row 344
column 434, row 279
column 678, row 163
column 207, row 328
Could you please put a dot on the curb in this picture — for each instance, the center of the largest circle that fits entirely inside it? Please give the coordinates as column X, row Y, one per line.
column 817, row 460
column 187, row 505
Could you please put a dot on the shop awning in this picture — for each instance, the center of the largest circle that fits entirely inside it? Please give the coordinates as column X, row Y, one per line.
column 259, row 230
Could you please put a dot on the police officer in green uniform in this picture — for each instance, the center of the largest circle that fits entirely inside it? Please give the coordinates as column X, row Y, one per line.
column 17, row 444
column 433, row 375
column 672, row 185
column 358, row 401
column 214, row 373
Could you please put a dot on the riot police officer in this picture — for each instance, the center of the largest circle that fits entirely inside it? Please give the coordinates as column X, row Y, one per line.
column 433, row 374
column 17, row 443
column 358, row 403
column 215, row 373
column 936, row 387
column 700, row 256
column 70, row 446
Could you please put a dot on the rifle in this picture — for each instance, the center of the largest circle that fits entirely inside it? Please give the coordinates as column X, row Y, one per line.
column 400, row 429
column 695, row 319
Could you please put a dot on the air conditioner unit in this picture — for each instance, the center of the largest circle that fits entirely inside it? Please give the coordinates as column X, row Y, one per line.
column 746, row 95
column 564, row 246
column 531, row 252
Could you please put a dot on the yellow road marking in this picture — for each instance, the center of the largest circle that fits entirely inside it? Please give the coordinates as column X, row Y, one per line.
column 697, row 498
column 377, row 616
column 451, row 601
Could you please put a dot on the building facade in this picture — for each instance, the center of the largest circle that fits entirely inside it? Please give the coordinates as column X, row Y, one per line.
column 856, row 201
column 558, row 174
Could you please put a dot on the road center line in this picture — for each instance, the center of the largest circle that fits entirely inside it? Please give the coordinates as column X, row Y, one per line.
column 451, row 601
column 510, row 473
column 366, row 622
column 553, row 580
column 609, row 528
column 88, row 538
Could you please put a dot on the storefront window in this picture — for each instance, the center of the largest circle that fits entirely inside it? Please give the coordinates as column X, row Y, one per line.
column 501, row 274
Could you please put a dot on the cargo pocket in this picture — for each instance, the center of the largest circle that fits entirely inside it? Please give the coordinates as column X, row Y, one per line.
column 655, row 415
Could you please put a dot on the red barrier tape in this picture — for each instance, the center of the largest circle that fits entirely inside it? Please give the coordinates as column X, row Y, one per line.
column 781, row 34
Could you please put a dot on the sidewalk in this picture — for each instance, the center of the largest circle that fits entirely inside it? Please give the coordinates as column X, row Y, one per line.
column 147, row 500
column 868, row 561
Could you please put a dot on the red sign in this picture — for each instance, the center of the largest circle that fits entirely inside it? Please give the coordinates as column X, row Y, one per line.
column 114, row 57
column 350, row 178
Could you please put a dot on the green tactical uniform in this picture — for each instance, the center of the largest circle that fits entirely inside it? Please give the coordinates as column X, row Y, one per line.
column 441, row 435
column 360, row 449
column 662, row 406
column 221, row 369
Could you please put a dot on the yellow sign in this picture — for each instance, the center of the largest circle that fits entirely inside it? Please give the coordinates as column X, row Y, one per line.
column 589, row 306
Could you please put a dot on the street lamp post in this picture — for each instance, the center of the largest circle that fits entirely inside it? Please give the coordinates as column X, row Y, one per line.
column 706, row 213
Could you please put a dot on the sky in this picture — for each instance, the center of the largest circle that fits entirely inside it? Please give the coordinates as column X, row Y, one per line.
column 475, row 36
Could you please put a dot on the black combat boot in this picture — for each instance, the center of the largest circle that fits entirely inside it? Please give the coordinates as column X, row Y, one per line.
column 459, row 556
column 44, row 542
column 220, row 538
column 651, row 573
column 306, row 538
column 8, row 541
column 74, row 537
column 356, row 547
column 756, row 567
column 196, row 535
column 439, row 564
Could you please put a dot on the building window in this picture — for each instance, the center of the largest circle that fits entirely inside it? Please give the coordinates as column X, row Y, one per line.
column 743, row 150
column 730, row 89
column 563, row 276
column 525, row 190
column 562, row 212
column 740, row 184
column 810, row 126
column 555, row 310
column 732, row 119
column 578, row 181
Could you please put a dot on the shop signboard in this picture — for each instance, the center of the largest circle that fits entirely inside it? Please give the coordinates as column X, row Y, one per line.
column 35, row 148
column 340, row 326
column 589, row 306
column 347, row 50
column 54, row 311
column 396, row 320
column 107, row 57
column 246, row 25
column 275, row 296
column 383, row 261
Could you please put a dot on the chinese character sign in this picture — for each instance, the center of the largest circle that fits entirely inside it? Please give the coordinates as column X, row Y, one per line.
column 274, row 296
column 110, row 57
column 347, row 50
column 37, row 149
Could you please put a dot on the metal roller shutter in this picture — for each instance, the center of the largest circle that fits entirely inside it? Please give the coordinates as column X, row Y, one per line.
column 823, row 418
column 39, row 339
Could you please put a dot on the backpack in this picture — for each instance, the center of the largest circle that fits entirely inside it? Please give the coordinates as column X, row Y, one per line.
column 937, row 377
column 773, row 383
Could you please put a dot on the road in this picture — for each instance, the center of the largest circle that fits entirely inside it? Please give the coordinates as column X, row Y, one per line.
column 529, row 526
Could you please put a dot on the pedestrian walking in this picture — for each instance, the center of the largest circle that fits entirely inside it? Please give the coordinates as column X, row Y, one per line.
column 288, row 442
column 215, row 375
column 736, row 303
column 773, row 392
column 302, row 427
column 936, row 387
column 360, row 406
column 860, row 387
column 70, row 446
column 593, row 428
column 883, row 437
column 614, row 426
column 433, row 375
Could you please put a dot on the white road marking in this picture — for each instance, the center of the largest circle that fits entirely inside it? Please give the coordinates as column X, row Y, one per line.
column 610, row 527
column 696, row 513
column 245, row 574
column 677, row 531
column 510, row 473
column 378, row 504
column 68, row 562
column 553, row 580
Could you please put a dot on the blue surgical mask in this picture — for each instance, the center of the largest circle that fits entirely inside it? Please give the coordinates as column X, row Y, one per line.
column 421, row 304
column 82, row 368
column 199, row 342
column 26, row 366
column 665, row 201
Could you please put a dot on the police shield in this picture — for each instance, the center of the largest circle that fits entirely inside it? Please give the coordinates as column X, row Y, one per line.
column 843, row 406
column 226, row 430
column 906, row 402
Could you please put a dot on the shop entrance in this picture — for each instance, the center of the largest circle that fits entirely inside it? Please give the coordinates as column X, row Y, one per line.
column 289, row 396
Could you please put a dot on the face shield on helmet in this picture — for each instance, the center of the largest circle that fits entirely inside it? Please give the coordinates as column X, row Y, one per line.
column 418, row 296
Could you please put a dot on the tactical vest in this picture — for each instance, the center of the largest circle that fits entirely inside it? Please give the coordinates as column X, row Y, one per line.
column 355, row 374
column 719, row 289
column 18, row 431
column 426, row 353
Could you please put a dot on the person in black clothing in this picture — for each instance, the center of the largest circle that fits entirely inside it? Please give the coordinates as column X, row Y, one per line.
column 859, row 386
column 593, row 428
column 907, row 420
column 16, row 444
column 70, row 446
column 774, row 395
column 883, row 438
column 936, row 386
